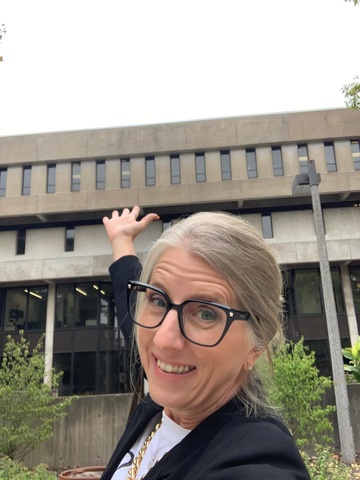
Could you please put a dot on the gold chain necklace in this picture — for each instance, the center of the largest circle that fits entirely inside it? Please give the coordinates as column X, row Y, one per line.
column 137, row 460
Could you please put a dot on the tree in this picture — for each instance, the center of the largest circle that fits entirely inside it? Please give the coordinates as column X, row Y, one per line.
column 351, row 91
column 28, row 406
column 298, row 390
column 2, row 33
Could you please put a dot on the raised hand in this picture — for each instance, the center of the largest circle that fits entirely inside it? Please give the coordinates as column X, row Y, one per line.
column 123, row 229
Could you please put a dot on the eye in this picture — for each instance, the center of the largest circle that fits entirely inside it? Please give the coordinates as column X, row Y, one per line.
column 157, row 301
column 203, row 312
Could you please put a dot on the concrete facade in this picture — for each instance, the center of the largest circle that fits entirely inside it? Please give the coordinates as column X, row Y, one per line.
column 89, row 434
column 46, row 216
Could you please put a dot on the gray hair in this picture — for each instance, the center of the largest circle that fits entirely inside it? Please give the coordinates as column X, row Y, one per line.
column 236, row 250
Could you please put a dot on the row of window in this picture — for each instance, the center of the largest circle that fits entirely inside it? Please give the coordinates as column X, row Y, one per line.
column 91, row 351
column 69, row 243
column 69, row 240
column 175, row 171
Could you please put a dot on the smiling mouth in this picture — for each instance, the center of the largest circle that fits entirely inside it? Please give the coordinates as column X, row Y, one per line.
column 178, row 369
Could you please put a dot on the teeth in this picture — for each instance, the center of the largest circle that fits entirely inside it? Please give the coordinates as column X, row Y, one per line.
column 166, row 367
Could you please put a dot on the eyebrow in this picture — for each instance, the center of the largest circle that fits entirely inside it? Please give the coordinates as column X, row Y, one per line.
column 206, row 297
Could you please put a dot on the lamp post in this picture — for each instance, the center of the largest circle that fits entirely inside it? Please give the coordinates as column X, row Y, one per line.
column 301, row 184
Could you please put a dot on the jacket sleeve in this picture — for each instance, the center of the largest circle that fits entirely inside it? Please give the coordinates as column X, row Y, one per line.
column 122, row 271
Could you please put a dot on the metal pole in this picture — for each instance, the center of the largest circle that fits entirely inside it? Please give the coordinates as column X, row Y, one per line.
column 340, row 388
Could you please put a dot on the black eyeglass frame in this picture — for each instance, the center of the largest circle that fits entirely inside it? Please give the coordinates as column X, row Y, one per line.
column 231, row 313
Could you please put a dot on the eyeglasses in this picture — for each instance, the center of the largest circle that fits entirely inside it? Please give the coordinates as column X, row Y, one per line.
column 201, row 322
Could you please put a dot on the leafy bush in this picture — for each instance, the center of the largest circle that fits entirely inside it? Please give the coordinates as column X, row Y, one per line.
column 353, row 355
column 10, row 470
column 325, row 465
column 298, row 389
column 28, row 408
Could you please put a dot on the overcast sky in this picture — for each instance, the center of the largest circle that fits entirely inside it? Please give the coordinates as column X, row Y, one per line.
column 80, row 64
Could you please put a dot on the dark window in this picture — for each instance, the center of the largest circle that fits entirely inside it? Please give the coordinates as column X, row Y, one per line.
column 277, row 161
column 21, row 241
column 200, row 167
column 149, row 171
column 69, row 239
column 125, row 172
column 3, row 175
column 175, row 169
column 355, row 285
column 251, row 163
column 304, row 292
column 75, row 177
column 330, row 157
column 225, row 165
column 303, row 158
column 267, row 225
column 25, row 308
column 100, row 175
column 26, row 184
column 51, row 178
column 355, row 151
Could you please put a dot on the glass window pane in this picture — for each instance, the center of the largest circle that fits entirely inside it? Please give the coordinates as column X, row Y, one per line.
column 65, row 306
column 125, row 173
column 338, row 291
column 225, row 165
column 175, row 169
column 251, row 163
column 62, row 363
column 75, row 177
column 21, row 242
column 308, row 290
column 355, row 285
column 51, row 178
column 267, row 225
column 26, row 181
column 3, row 176
column 200, row 167
column 15, row 315
column 330, row 157
column 2, row 307
column 84, row 373
column 150, row 171
column 69, row 239
column 100, row 175
column 86, row 298
column 355, row 151
column 36, row 315
column 277, row 161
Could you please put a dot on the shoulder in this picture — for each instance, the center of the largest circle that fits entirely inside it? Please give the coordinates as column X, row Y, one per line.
column 253, row 448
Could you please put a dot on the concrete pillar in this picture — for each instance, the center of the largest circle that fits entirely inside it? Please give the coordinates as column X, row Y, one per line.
column 349, row 303
column 49, row 332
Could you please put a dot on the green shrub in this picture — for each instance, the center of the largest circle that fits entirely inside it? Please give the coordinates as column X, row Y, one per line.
column 297, row 389
column 11, row 470
column 325, row 465
column 353, row 355
column 28, row 408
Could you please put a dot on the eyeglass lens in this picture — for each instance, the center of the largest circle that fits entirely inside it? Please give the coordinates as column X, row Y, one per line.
column 201, row 323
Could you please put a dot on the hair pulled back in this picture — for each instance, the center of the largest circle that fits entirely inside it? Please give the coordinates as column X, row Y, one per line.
column 236, row 250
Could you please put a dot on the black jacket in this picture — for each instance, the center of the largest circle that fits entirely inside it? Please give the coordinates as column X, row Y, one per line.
column 225, row 446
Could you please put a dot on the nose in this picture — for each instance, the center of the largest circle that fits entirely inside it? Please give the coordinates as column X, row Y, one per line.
column 168, row 335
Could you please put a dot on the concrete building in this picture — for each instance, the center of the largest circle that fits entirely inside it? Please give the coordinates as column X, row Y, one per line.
column 56, row 187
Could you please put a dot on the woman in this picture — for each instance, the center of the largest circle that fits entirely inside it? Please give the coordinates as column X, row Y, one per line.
column 208, row 304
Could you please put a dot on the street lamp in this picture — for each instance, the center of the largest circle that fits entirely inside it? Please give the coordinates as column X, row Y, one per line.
column 301, row 185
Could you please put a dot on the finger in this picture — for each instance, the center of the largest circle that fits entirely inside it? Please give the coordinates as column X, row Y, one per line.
column 114, row 214
column 150, row 217
column 126, row 211
column 105, row 220
column 135, row 211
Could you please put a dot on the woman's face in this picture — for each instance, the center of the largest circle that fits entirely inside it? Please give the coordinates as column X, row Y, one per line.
column 210, row 376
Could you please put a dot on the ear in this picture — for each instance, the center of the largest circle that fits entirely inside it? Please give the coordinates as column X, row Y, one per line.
column 253, row 356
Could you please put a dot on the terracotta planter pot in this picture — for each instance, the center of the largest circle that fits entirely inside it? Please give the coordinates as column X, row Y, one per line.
column 83, row 472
